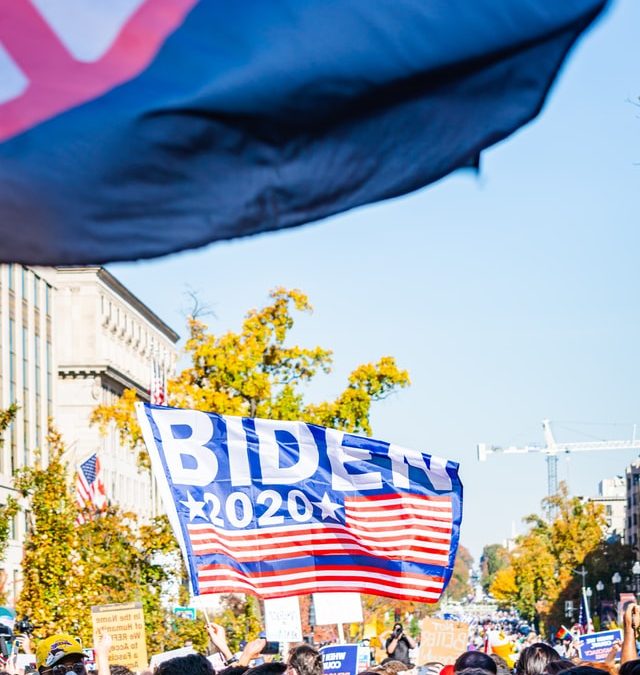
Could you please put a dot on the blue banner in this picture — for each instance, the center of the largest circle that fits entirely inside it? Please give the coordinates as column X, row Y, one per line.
column 339, row 659
column 279, row 508
column 596, row 646
column 137, row 128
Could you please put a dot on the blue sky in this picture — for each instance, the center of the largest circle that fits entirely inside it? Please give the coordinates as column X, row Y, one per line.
column 510, row 296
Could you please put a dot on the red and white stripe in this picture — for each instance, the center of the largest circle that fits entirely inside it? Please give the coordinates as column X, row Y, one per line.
column 412, row 528
column 222, row 579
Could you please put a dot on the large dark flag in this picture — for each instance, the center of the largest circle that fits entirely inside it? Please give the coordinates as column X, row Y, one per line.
column 278, row 508
column 133, row 128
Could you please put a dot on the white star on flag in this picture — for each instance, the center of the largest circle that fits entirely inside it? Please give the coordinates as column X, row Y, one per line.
column 195, row 507
column 327, row 507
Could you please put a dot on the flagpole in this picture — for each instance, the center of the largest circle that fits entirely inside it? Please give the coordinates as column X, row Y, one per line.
column 586, row 608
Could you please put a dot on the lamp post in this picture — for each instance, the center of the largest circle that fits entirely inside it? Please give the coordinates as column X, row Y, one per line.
column 636, row 576
column 615, row 580
column 599, row 589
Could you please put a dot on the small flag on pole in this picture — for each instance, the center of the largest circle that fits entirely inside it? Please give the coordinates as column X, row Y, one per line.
column 158, row 387
column 90, row 493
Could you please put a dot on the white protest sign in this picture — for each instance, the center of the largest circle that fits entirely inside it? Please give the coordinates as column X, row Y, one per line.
column 337, row 608
column 282, row 620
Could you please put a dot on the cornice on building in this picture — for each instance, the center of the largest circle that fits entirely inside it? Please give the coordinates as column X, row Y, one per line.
column 108, row 375
column 119, row 289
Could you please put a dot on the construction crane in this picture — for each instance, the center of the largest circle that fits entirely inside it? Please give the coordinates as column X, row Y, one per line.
column 553, row 448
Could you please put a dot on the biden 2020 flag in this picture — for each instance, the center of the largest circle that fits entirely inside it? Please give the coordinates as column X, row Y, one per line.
column 134, row 128
column 279, row 508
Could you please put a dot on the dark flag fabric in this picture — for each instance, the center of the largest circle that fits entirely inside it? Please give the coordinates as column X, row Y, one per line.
column 134, row 128
column 279, row 508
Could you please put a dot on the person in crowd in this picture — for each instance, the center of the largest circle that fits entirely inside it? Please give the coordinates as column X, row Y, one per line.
column 475, row 660
column 273, row 668
column 60, row 654
column 304, row 660
column 501, row 665
column 398, row 645
column 534, row 659
column 191, row 664
column 559, row 666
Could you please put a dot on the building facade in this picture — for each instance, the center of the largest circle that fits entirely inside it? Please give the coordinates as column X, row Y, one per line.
column 612, row 496
column 27, row 379
column 633, row 503
column 71, row 339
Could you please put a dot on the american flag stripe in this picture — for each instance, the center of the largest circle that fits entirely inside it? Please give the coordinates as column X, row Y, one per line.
column 219, row 579
column 298, row 551
column 207, row 534
column 213, row 540
column 198, row 531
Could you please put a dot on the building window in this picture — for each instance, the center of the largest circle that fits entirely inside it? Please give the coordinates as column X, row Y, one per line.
column 47, row 299
column 11, row 273
column 36, row 288
column 49, row 379
column 12, row 361
column 23, row 280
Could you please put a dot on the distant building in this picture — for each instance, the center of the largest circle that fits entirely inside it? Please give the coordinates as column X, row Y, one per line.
column 612, row 496
column 70, row 339
column 633, row 503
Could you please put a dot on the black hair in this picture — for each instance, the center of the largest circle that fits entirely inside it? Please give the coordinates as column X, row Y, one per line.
column 501, row 665
column 233, row 670
column 475, row 660
column 630, row 668
column 191, row 664
column 116, row 669
column 273, row 668
column 305, row 660
column 535, row 658
column 583, row 670
column 555, row 667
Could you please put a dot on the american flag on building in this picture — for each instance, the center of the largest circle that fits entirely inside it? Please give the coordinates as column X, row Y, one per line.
column 158, row 386
column 252, row 529
column 90, row 492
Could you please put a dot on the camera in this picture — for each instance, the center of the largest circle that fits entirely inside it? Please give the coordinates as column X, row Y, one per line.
column 24, row 625
column 397, row 631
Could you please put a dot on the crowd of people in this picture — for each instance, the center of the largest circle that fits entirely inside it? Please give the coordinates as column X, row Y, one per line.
column 63, row 654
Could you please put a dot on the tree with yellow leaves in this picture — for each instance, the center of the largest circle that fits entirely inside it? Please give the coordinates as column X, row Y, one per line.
column 540, row 573
column 254, row 373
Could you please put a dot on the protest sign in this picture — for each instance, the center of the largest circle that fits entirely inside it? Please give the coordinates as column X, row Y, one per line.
column 337, row 608
column 340, row 659
column 364, row 657
column 442, row 641
column 596, row 646
column 125, row 624
column 279, row 508
column 282, row 620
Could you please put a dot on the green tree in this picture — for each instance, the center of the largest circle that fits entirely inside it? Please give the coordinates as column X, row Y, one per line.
column 109, row 558
column 52, row 568
column 240, row 618
column 494, row 558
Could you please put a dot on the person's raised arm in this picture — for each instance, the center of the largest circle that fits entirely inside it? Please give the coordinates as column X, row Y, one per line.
column 102, row 649
column 410, row 641
column 630, row 623
column 218, row 637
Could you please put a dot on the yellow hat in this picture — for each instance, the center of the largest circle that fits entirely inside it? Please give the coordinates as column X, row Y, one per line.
column 55, row 648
